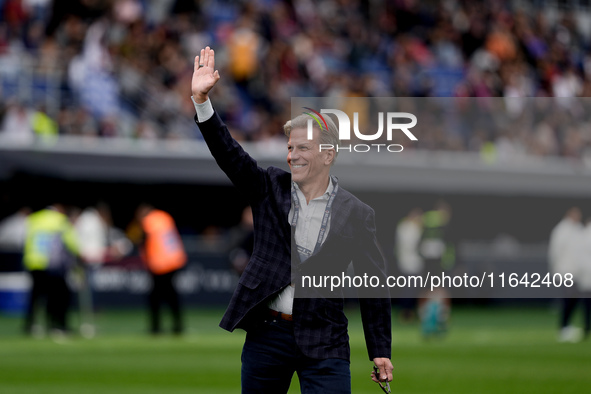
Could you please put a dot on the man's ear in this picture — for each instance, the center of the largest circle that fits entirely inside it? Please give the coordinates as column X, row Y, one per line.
column 330, row 156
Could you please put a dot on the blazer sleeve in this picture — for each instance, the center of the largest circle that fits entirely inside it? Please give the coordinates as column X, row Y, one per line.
column 375, row 302
column 238, row 165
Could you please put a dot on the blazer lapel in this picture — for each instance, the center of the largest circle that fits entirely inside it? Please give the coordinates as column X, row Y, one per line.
column 339, row 214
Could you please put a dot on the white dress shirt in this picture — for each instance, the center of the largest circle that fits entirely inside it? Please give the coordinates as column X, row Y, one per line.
column 306, row 235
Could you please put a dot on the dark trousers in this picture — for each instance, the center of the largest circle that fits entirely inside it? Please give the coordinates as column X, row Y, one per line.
column 271, row 356
column 163, row 291
column 52, row 288
column 568, row 308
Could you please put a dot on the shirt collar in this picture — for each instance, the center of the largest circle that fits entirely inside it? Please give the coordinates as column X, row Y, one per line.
column 328, row 191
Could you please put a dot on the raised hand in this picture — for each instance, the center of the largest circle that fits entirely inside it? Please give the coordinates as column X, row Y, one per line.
column 204, row 76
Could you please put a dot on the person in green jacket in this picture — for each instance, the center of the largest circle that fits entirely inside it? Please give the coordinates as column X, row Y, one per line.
column 50, row 250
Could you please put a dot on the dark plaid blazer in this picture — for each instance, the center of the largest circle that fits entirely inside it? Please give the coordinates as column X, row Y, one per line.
column 320, row 324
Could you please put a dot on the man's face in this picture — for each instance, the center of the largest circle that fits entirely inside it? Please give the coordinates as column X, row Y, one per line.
column 308, row 165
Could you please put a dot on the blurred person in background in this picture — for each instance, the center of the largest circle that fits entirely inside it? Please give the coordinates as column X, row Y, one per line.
column 408, row 238
column 583, row 276
column 434, row 312
column 438, row 249
column 164, row 255
column 50, row 251
column 99, row 242
column 92, row 235
column 437, row 243
column 44, row 127
column 16, row 125
column 564, row 252
column 13, row 230
column 288, row 334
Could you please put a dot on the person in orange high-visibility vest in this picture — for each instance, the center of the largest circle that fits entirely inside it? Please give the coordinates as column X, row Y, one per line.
column 164, row 255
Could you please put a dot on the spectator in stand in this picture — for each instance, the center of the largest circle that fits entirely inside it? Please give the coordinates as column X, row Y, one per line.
column 134, row 51
column 44, row 127
column 16, row 125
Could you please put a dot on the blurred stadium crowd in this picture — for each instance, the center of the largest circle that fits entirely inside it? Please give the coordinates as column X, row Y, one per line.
column 123, row 68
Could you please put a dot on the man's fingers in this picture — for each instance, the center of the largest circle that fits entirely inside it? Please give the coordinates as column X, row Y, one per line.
column 374, row 378
column 382, row 370
column 390, row 372
column 211, row 61
column 385, row 369
column 206, row 57
column 386, row 372
column 203, row 80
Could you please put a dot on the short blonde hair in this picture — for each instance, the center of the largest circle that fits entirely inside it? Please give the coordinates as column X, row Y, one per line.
column 328, row 136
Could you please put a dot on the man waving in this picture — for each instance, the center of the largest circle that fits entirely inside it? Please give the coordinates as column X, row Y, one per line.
column 306, row 221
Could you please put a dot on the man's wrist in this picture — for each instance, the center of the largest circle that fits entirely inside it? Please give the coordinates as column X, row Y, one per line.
column 204, row 110
column 200, row 98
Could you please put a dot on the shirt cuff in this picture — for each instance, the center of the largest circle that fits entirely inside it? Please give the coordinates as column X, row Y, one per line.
column 204, row 110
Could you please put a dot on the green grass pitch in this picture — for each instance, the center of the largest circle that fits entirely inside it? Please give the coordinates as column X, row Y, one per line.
column 494, row 350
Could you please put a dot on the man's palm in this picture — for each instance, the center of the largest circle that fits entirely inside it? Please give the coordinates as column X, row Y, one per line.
column 204, row 75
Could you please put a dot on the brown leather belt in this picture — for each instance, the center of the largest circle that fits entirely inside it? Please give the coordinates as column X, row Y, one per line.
column 282, row 316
